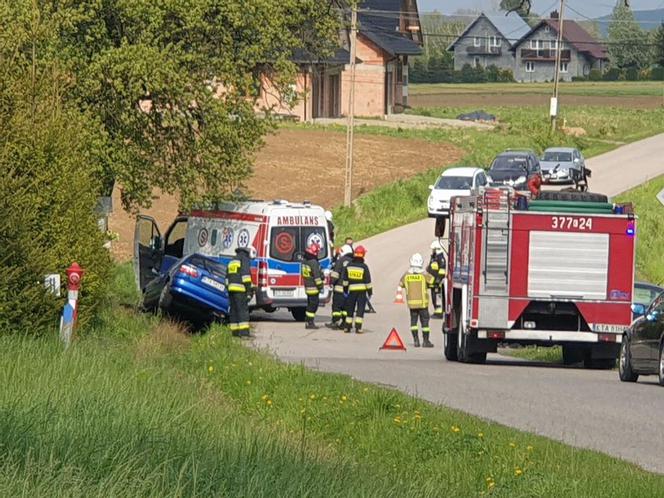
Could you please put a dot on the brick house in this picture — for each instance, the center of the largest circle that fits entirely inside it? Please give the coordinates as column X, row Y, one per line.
column 536, row 52
column 488, row 40
column 389, row 31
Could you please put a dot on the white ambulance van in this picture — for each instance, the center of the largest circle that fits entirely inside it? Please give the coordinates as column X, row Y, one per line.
column 280, row 231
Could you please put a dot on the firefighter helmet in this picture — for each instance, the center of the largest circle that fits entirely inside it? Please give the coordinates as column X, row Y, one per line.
column 328, row 215
column 416, row 260
column 346, row 249
column 436, row 246
column 360, row 252
column 313, row 249
column 251, row 251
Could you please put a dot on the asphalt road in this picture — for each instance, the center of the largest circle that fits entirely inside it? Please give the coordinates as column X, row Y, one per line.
column 589, row 409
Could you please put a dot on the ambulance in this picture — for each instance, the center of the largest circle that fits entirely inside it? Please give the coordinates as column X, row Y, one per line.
column 280, row 231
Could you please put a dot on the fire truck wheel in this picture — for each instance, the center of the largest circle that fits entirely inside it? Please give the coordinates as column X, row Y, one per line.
column 573, row 196
column 450, row 346
column 299, row 314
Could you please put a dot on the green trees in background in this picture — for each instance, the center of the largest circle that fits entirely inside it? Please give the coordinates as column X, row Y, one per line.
column 628, row 43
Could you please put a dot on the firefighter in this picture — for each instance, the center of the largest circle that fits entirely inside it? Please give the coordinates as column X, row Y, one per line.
column 535, row 186
column 356, row 281
column 338, row 300
column 436, row 269
column 416, row 282
column 240, row 289
column 313, row 283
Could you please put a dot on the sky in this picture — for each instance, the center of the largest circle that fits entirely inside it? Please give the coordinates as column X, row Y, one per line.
column 590, row 8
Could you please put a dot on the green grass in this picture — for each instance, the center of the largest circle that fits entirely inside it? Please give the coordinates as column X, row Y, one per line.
column 582, row 88
column 553, row 354
column 136, row 408
column 405, row 201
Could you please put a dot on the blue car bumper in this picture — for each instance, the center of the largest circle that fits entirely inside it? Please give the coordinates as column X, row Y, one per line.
column 199, row 295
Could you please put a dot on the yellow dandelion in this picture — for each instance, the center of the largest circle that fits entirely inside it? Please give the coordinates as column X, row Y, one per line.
column 269, row 402
column 512, row 445
column 491, row 485
column 397, row 420
column 313, row 396
column 518, row 472
column 455, row 429
column 210, row 369
column 480, row 435
column 248, row 382
column 489, row 479
column 365, row 389
column 344, row 398
column 264, row 397
column 530, row 448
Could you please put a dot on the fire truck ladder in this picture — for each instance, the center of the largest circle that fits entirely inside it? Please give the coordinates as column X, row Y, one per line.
column 497, row 204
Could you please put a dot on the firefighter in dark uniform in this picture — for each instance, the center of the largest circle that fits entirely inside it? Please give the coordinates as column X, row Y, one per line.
column 416, row 282
column 338, row 308
column 240, row 289
column 437, row 269
column 356, row 280
column 313, row 283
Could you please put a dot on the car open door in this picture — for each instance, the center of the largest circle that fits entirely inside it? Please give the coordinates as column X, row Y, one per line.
column 147, row 251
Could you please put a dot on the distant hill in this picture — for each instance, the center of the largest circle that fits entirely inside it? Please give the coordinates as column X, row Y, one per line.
column 648, row 19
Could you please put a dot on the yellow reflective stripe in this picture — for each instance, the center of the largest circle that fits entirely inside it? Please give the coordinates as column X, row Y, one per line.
column 334, row 274
column 234, row 266
column 349, row 320
column 338, row 288
column 359, row 319
column 318, row 281
column 236, row 288
column 309, row 314
column 234, row 326
column 434, row 266
column 246, row 279
column 243, row 325
column 355, row 273
column 311, row 292
column 414, row 328
column 426, row 329
column 357, row 287
column 369, row 286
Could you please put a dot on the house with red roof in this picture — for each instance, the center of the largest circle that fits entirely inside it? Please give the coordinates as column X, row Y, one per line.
column 535, row 52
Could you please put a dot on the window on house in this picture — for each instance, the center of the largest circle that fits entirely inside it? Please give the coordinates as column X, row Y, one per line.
column 495, row 41
column 563, row 67
column 530, row 67
column 553, row 44
column 547, row 29
column 476, row 41
column 533, row 44
column 477, row 62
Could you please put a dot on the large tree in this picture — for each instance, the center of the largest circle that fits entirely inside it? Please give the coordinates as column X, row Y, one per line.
column 173, row 83
column 628, row 43
column 658, row 42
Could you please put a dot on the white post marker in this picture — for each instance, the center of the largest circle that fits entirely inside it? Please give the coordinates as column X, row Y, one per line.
column 70, row 311
column 660, row 197
column 553, row 107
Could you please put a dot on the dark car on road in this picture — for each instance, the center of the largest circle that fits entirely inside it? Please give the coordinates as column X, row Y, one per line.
column 513, row 168
column 642, row 350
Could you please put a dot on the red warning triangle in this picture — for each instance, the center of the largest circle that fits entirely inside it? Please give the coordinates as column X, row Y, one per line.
column 393, row 342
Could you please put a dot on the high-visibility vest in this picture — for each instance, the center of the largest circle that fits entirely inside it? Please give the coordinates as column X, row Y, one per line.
column 416, row 285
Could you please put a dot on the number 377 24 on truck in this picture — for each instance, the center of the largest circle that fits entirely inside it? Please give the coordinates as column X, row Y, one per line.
column 554, row 271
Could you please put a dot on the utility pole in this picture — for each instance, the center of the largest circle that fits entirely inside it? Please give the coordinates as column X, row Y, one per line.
column 556, row 79
column 348, row 183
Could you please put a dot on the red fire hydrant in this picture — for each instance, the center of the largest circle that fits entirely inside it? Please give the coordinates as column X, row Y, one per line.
column 70, row 312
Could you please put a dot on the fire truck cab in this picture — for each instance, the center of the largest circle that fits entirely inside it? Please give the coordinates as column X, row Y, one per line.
column 539, row 272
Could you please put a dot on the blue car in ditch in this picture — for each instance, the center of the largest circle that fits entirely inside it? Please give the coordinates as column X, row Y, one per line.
column 191, row 288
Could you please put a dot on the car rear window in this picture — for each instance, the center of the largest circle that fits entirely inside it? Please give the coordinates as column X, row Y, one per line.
column 454, row 183
column 644, row 296
column 288, row 243
column 212, row 267
column 558, row 156
column 509, row 162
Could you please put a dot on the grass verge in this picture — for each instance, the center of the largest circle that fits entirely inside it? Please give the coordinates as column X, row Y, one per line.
column 137, row 408
column 405, row 201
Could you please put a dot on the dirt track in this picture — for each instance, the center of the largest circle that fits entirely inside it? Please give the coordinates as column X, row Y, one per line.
column 493, row 100
column 309, row 164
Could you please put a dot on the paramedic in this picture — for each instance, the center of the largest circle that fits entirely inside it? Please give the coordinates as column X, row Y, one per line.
column 338, row 308
column 436, row 269
column 416, row 281
column 356, row 281
column 313, row 283
column 240, row 289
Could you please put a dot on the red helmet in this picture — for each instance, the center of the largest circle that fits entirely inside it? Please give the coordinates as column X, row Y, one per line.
column 313, row 249
column 359, row 252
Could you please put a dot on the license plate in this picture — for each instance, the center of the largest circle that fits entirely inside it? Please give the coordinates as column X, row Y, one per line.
column 283, row 292
column 213, row 283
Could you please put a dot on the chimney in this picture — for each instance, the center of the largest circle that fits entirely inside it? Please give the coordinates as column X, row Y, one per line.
column 555, row 14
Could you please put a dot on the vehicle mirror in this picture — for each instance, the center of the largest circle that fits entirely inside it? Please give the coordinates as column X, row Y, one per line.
column 638, row 309
column 430, row 187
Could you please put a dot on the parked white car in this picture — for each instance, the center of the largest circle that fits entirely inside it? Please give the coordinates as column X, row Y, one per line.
column 453, row 182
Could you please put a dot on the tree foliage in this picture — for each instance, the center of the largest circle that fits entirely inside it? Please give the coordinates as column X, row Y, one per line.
column 658, row 42
column 173, row 83
column 628, row 44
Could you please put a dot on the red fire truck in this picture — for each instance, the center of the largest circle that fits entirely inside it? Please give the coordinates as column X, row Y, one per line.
column 554, row 271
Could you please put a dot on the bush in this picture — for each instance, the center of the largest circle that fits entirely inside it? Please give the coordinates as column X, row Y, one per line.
column 613, row 74
column 595, row 75
column 632, row 74
column 48, row 193
column 657, row 73
column 579, row 78
column 505, row 76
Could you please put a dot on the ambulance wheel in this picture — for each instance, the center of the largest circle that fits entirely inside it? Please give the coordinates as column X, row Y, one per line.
column 574, row 196
column 450, row 346
column 299, row 314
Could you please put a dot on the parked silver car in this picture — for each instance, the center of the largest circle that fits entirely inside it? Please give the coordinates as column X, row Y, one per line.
column 562, row 165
